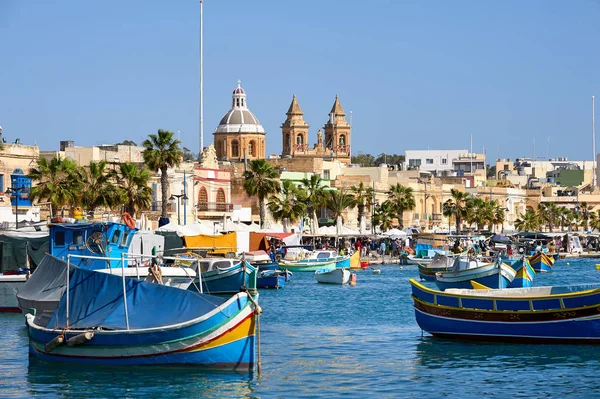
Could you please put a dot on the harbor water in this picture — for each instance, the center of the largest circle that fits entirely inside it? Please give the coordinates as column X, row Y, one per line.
column 335, row 341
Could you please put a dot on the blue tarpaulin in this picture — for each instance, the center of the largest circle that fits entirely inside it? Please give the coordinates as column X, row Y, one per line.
column 96, row 300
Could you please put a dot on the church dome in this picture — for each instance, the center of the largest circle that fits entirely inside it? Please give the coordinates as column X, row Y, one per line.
column 239, row 119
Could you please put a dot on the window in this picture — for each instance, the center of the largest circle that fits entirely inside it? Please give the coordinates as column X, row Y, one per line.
column 414, row 162
column 1, row 183
column 237, row 102
column 299, row 139
column 202, row 199
column 59, row 238
column 326, row 174
column 221, row 195
column 115, row 237
column 444, row 161
column 124, row 239
column 251, row 150
column 235, row 149
column 78, row 238
column 342, row 140
column 429, row 161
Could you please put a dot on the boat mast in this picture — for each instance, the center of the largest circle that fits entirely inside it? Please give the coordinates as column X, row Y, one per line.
column 593, row 147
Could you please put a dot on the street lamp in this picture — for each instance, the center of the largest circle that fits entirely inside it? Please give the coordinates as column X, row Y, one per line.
column 15, row 191
column 178, row 196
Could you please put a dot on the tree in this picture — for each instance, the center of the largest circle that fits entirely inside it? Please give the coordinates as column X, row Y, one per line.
column 189, row 156
column 389, row 159
column 133, row 187
column 315, row 198
column 585, row 210
column 364, row 160
column 260, row 180
column 161, row 153
column 529, row 221
column 57, row 182
column 499, row 215
column 363, row 196
column 455, row 207
column 384, row 215
column 98, row 189
column 338, row 202
column 403, row 199
column 127, row 142
column 288, row 206
column 490, row 171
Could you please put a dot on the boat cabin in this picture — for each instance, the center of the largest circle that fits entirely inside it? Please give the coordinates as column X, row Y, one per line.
column 210, row 264
column 99, row 239
column 323, row 255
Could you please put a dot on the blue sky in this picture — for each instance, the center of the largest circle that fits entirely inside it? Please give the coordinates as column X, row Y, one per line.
column 415, row 74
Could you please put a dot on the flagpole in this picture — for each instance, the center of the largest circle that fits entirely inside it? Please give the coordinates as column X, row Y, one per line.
column 201, row 87
column 594, row 181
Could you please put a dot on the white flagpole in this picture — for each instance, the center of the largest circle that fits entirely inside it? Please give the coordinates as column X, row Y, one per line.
column 593, row 146
column 201, row 87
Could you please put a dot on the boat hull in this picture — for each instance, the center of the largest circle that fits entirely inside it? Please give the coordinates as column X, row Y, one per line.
column 216, row 341
column 227, row 281
column 486, row 275
column 572, row 317
column 306, row 265
column 336, row 276
column 9, row 285
column 541, row 262
column 271, row 279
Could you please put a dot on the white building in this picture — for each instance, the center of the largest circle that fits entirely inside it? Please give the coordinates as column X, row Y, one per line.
column 431, row 160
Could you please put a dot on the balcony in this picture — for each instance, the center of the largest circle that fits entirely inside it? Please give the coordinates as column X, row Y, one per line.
column 211, row 210
column 157, row 207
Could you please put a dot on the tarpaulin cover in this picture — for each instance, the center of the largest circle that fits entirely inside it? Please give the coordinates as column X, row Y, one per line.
column 12, row 250
column 222, row 243
column 172, row 240
column 46, row 285
column 96, row 300
column 258, row 242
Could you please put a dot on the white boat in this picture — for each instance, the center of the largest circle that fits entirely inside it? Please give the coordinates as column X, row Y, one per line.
column 332, row 276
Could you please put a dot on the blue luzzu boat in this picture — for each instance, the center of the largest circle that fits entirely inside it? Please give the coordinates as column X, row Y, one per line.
column 525, row 274
column 104, row 319
column 492, row 275
column 317, row 260
column 439, row 263
column 225, row 276
column 562, row 314
column 541, row 262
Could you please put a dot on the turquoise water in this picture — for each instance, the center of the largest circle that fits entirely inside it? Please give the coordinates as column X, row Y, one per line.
column 335, row 341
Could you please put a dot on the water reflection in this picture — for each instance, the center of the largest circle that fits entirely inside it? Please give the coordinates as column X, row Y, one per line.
column 434, row 352
column 67, row 380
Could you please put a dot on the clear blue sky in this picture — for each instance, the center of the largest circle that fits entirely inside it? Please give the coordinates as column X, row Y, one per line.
column 416, row 74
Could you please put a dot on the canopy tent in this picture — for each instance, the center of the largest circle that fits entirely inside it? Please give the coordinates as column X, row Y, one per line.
column 395, row 234
column 218, row 244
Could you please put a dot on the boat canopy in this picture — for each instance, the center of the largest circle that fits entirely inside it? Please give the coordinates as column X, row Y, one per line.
column 96, row 301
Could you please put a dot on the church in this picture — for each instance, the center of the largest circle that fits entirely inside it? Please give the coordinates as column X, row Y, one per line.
column 240, row 135
column 334, row 144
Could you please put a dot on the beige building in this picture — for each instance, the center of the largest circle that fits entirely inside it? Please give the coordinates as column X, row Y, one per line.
column 239, row 135
column 112, row 154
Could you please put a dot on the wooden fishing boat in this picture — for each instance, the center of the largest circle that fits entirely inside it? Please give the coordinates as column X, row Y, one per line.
column 541, row 262
column 105, row 319
column 567, row 314
column 524, row 276
column 334, row 276
column 272, row 278
column 493, row 275
column 355, row 261
column 225, row 276
column 440, row 263
column 316, row 260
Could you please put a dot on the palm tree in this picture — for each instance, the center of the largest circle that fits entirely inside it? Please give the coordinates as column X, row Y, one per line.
column 133, row 187
column 403, row 200
column 529, row 221
column 315, row 198
column 338, row 202
column 289, row 205
column 98, row 189
column 260, row 180
column 57, row 182
column 499, row 215
column 161, row 153
column 384, row 216
column 595, row 220
column 455, row 207
column 585, row 210
column 364, row 199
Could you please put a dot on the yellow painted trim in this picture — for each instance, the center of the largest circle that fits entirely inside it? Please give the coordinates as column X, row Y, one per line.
column 477, row 286
column 243, row 330
column 552, row 296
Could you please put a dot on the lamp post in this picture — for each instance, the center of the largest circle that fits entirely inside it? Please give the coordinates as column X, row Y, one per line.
column 178, row 196
column 15, row 191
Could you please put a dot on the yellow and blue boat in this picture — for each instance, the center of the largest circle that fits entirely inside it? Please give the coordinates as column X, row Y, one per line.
column 106, row 319
column 525, row 274
column 493, row 275
column 561, row 314
column 541, row 262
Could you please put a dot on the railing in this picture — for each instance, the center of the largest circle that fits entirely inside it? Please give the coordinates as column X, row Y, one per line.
column 301, row 147
column 157, row 207
column 214, row 207
column 342, row 149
